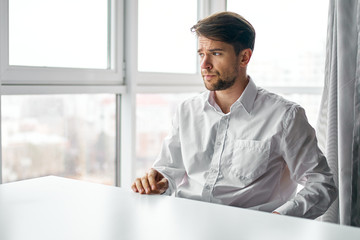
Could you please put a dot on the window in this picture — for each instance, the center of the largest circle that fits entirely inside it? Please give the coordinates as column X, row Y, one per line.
column 289, row 54
column 61, row 71
column 61, row 42
column 289, row 64
column 64, row 135
column 165, row 46
column 160, row 108
column 124, row 65
column 165, row 43
column 166, row 72
column 58, row 33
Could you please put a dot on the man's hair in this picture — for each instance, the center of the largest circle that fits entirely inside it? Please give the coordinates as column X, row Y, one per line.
column 228, row 27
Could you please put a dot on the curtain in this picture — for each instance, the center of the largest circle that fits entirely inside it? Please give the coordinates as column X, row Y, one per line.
column 338, row 122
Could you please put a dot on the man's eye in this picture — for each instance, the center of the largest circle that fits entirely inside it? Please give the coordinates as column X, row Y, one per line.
column 201, row 54
column 216, row 54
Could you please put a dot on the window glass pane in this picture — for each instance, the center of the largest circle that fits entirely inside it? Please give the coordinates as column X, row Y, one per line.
column 63, row 135
column 290, row 40
column 310, row 102
column 165, row 42
column 160, row 108
column 58, row 33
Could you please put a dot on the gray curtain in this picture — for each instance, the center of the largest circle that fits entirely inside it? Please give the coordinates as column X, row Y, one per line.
column 338, row 123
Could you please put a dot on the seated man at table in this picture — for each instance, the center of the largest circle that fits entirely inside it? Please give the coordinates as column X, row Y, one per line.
column 238, row 144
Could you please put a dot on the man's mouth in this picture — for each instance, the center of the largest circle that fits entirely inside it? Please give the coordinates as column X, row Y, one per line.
column 209, row 76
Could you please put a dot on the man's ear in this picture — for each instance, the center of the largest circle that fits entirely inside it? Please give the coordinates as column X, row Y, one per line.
column 245, row 56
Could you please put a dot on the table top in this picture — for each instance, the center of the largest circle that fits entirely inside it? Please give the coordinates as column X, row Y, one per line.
column 58, row 208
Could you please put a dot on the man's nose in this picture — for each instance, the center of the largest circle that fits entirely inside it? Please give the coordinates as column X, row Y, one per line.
column 205, row 63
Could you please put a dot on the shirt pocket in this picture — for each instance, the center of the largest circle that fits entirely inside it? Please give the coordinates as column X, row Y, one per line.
column 249, row 159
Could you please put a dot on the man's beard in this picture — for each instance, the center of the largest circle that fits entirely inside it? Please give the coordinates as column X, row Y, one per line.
column 221, row 83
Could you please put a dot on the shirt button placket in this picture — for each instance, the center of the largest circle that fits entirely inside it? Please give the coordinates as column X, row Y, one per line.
column 218, row 149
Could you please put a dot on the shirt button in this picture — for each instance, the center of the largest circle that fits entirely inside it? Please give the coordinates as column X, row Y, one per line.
column 207, row 187
column 218, row 143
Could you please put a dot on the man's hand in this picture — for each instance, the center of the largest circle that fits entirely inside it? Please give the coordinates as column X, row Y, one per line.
column 152, row 183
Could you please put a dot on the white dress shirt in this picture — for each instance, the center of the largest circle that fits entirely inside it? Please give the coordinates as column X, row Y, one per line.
column 252, row 157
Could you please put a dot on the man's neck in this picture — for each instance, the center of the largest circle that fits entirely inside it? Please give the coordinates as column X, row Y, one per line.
column 226, row 98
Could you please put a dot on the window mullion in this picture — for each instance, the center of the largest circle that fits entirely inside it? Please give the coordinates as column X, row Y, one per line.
column 118, row 141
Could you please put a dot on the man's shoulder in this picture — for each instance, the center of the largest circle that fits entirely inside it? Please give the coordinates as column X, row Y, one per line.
column 272, row 101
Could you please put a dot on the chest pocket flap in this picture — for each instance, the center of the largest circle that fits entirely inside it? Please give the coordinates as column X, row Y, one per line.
column 249, row 159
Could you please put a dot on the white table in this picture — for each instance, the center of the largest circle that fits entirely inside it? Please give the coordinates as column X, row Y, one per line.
column 52, row 208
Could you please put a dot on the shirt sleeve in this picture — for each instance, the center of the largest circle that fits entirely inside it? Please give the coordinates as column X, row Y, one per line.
column 308, row 167
column 169, row 162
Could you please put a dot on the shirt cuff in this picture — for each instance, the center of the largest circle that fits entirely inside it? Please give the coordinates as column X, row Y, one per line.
column 167, row 192
column 288, row 208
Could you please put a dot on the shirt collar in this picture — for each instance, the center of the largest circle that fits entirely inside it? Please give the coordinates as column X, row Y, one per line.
column 212, row 102
column 248, row 96
column 246, row 99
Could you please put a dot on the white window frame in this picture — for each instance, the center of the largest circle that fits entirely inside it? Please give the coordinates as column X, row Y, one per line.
column 122, row 79
column 25, row 75
column 19, row 80
column 169, row 80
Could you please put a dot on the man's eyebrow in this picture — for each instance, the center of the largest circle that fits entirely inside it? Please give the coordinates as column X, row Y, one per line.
column 212, row 50
column 216, row 50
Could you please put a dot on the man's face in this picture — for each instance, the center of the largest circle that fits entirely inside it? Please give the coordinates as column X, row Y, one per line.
column 219, row 64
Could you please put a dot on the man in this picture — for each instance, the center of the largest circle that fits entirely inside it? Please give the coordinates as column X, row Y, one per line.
column 238, row 144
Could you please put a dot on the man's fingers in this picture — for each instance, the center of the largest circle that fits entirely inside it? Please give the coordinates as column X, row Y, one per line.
column 157, row 181
column 134, row 188
column 152, row 174
column 145, row 184
column 153, row 182
column 162, row 185
column 138, row 185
